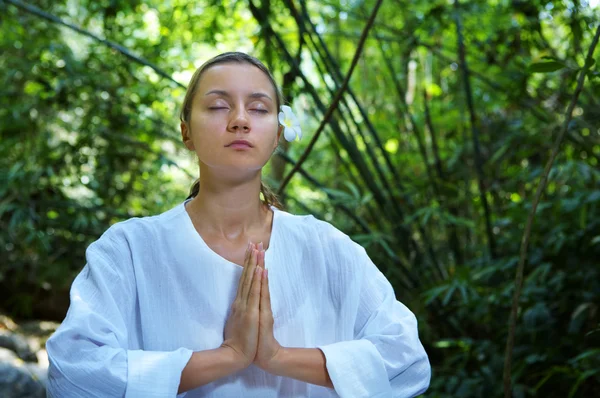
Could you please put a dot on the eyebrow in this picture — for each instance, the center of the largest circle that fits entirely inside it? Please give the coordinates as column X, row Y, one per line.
column 226, row 94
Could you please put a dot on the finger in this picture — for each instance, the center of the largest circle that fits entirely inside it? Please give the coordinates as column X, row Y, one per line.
column 265, row 295
column 247, row 260
column 247, row 284
column 261, row 259
column 245, row 269
column 255, row 291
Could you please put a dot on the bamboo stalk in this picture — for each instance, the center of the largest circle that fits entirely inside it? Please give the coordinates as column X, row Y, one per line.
column 454, row 239
column 474, row 134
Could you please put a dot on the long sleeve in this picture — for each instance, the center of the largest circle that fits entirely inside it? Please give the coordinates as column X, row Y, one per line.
column 88, row 354
column 386, row 357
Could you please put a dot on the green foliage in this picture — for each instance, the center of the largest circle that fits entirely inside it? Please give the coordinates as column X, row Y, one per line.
column 549, row 66
column 89, row 136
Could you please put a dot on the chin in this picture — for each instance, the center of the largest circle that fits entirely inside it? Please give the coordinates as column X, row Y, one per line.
column 236, row 167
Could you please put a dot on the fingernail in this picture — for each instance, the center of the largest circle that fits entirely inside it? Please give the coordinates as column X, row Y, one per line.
column 260, row 246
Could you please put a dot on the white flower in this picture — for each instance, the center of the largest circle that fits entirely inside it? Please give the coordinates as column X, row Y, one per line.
column 290, row 123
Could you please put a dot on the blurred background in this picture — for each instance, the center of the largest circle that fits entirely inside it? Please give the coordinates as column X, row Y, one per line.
column 430, row 161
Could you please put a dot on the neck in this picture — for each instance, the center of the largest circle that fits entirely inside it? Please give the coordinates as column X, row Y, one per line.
column 228, row 209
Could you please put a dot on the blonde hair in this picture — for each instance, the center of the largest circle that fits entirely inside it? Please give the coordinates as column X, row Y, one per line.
column 269, row 197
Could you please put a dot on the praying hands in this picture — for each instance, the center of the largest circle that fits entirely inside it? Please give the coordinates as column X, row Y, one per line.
column 249, row 329
column 248, row 337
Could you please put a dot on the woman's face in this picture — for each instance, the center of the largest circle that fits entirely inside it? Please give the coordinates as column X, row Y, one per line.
column 233, row 122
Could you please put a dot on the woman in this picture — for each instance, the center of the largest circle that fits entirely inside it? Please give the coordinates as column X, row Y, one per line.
column 182, row 302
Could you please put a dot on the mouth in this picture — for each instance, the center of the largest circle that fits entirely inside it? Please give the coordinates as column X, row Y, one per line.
column 239, row 144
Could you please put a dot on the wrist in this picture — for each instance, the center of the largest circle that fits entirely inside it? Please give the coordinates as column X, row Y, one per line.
column 277, row 363
column 234, row 360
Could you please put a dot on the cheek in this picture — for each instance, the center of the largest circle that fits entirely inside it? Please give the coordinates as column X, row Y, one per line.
column 270, row 128
column 203, row 125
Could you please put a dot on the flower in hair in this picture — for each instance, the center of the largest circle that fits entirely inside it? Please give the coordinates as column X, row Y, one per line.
column 290, row 123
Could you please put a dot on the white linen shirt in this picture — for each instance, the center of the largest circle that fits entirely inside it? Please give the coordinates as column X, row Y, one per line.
column 152, row 292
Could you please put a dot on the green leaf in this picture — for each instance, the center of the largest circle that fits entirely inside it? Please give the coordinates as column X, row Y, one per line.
column 593, row 197
column 595, row 352
column 590, row 62
column 499, row 153
column 434, row 293
column 448, row 295
column 546, row 67
column 581, row 379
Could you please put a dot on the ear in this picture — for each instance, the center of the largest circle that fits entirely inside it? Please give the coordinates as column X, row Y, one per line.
column 186, row 136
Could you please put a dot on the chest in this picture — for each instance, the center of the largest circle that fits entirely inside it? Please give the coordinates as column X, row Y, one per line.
column 235, row 250
column 189, row 304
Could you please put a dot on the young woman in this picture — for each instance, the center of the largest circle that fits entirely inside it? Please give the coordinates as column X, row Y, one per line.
column 226, row 295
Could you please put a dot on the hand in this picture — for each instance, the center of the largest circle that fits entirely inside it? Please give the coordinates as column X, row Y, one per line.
column 242, row 327
column 268, row 347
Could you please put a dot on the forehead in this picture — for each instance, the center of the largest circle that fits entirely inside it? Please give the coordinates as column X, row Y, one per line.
column 235, row 78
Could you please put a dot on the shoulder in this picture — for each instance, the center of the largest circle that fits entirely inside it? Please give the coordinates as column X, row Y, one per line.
column 321, row 232
column 134, row 234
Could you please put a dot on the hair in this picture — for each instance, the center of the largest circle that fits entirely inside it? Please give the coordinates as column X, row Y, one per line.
column 269, row 197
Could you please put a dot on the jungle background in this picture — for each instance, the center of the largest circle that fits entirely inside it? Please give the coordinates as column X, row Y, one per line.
column 430, row 159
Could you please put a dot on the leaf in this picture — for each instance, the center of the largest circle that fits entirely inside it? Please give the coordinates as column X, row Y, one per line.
column 387, row 248
column 353, row 189
column 590, row 62
column 546, row 67
column 448, row 295
column 463, row 293
column 366, row 199
column 594, row 197
column 581, row 379
column 589, row 353
column 432, row 294
column 14, row 170
column 460, row 221
column 337, row 195
column 499, row 153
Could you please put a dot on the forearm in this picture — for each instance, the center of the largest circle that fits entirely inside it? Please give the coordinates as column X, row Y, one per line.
column 304, row 364
column 207, row 366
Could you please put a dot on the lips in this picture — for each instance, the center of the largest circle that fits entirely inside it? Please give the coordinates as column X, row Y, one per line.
column 239, row 144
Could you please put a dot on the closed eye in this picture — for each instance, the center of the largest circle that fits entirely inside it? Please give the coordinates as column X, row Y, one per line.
column 260, row 110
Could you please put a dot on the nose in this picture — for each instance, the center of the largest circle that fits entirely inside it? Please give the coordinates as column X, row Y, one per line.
column 239, row 121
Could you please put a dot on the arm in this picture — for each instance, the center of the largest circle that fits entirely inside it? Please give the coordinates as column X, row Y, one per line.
column 386, row 357
column 304, row 364
column 207, row 366
column 89, row 355
column 241, row 332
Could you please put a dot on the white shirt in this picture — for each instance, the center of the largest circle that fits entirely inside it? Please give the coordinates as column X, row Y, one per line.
column 152, row 292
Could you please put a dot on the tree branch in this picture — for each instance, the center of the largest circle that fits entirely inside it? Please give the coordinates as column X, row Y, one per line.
column 525, row 241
